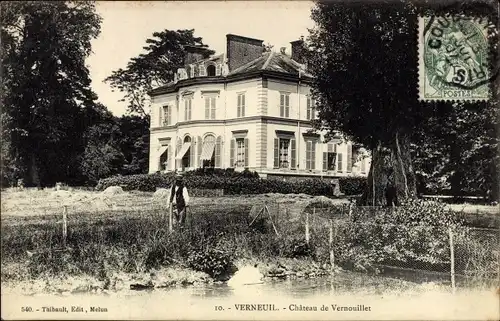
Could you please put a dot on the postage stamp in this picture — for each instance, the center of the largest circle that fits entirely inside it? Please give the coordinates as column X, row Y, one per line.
column 453, row 58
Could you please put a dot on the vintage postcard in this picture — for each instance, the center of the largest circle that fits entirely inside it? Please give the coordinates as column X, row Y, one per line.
column 263, row 160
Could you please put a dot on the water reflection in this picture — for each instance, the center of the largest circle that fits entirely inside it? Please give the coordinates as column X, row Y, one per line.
column 338, row 284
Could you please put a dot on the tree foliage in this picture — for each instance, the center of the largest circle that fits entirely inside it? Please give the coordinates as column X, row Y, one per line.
column 47, row 100
column 364, row 58
column 102, row 156
column 163, row 55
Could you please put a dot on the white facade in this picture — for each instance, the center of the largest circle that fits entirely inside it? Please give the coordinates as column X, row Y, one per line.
column 266, row 131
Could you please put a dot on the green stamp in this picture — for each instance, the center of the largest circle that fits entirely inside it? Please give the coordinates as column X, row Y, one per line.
column 453, row 58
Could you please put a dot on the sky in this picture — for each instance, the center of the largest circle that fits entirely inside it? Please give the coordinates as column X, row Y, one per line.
column 126, row 26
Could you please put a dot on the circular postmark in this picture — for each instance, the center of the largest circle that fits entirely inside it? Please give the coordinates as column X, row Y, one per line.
column 456, row 53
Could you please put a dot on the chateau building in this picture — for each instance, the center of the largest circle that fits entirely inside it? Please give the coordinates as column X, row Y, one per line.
column 245, row 108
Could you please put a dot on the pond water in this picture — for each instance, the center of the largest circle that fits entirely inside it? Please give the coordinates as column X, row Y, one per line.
column 341, row 296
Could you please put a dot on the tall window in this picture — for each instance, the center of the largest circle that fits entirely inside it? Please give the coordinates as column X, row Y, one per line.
column 210, row 107
column 187, row 108
column 330, row 157
column 285, row 105
column 241, row 105
column 164, row 160
column 310, row 154
column 202, row 70
column 311, row 110
column 211, row 71
column 363, row 165
column 240, row 152
column 284, row 149
column 166, row 116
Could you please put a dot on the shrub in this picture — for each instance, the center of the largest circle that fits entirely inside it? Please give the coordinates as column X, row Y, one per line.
column 213, row 261
column 415, row 234
column 298, row 247
column 233, row 183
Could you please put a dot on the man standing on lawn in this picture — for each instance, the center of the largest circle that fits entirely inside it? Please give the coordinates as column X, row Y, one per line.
column 179, row 198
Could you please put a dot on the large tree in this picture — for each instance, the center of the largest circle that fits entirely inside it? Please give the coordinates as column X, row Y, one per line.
column 46, row 86
column 364, row 58
column 163, row 55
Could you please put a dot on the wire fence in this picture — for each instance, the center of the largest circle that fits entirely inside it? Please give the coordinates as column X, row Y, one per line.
column 341, row 234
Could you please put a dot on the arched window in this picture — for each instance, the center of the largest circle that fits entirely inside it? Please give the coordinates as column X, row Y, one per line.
column 186, row 158
column 211, row 71
column 207, row 154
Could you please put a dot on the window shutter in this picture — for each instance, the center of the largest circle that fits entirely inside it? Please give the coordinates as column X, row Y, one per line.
column 308, row 108
column 217, row 152
column 192, row 154
column 171, row 156
column 293, row 154
column 325, row 161
column 243, row 105
column 160, row 121
column 287, row 106
column 339, row 155
column 282, row 105
column 200, row 147
column 190, row 107
column 308, row 155
column 246, row 152
column 185, row 109
column 212, row 111
column 178, row 161
column 202, row 70
column 169, row 113
column 238, row 108
column 349, row 158
column 218, row 69
column 207, row 107
column 276, row 153
column 313, row 155
column 231, row 156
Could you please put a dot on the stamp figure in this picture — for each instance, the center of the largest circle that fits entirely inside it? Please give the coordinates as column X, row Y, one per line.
column 453, row 59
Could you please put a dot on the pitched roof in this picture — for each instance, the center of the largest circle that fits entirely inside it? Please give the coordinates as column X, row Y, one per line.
column 272, row 61
column 277, row 63
column 219, row 57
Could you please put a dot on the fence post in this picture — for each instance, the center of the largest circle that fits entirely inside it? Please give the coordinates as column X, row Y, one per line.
column 307, row 225
column 65, row 225
column 170, row 221
column 452, row 260
column 330, row 243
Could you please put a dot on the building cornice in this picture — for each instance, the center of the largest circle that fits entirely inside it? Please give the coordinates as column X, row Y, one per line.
column 242, row 120
column 228, row 79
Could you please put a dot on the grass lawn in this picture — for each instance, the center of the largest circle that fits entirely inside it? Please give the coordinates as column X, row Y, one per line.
column 120, row 239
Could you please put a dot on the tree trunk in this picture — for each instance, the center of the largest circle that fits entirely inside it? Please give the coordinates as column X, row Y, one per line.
column 34, row 177
column 391, row 179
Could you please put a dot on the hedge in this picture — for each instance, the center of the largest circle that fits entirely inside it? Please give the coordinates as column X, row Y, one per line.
column 233, row 183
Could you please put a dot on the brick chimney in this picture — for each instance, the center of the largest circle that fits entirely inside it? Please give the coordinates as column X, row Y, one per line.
column 195, row 53
column 241, row 50
column 298, row 51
